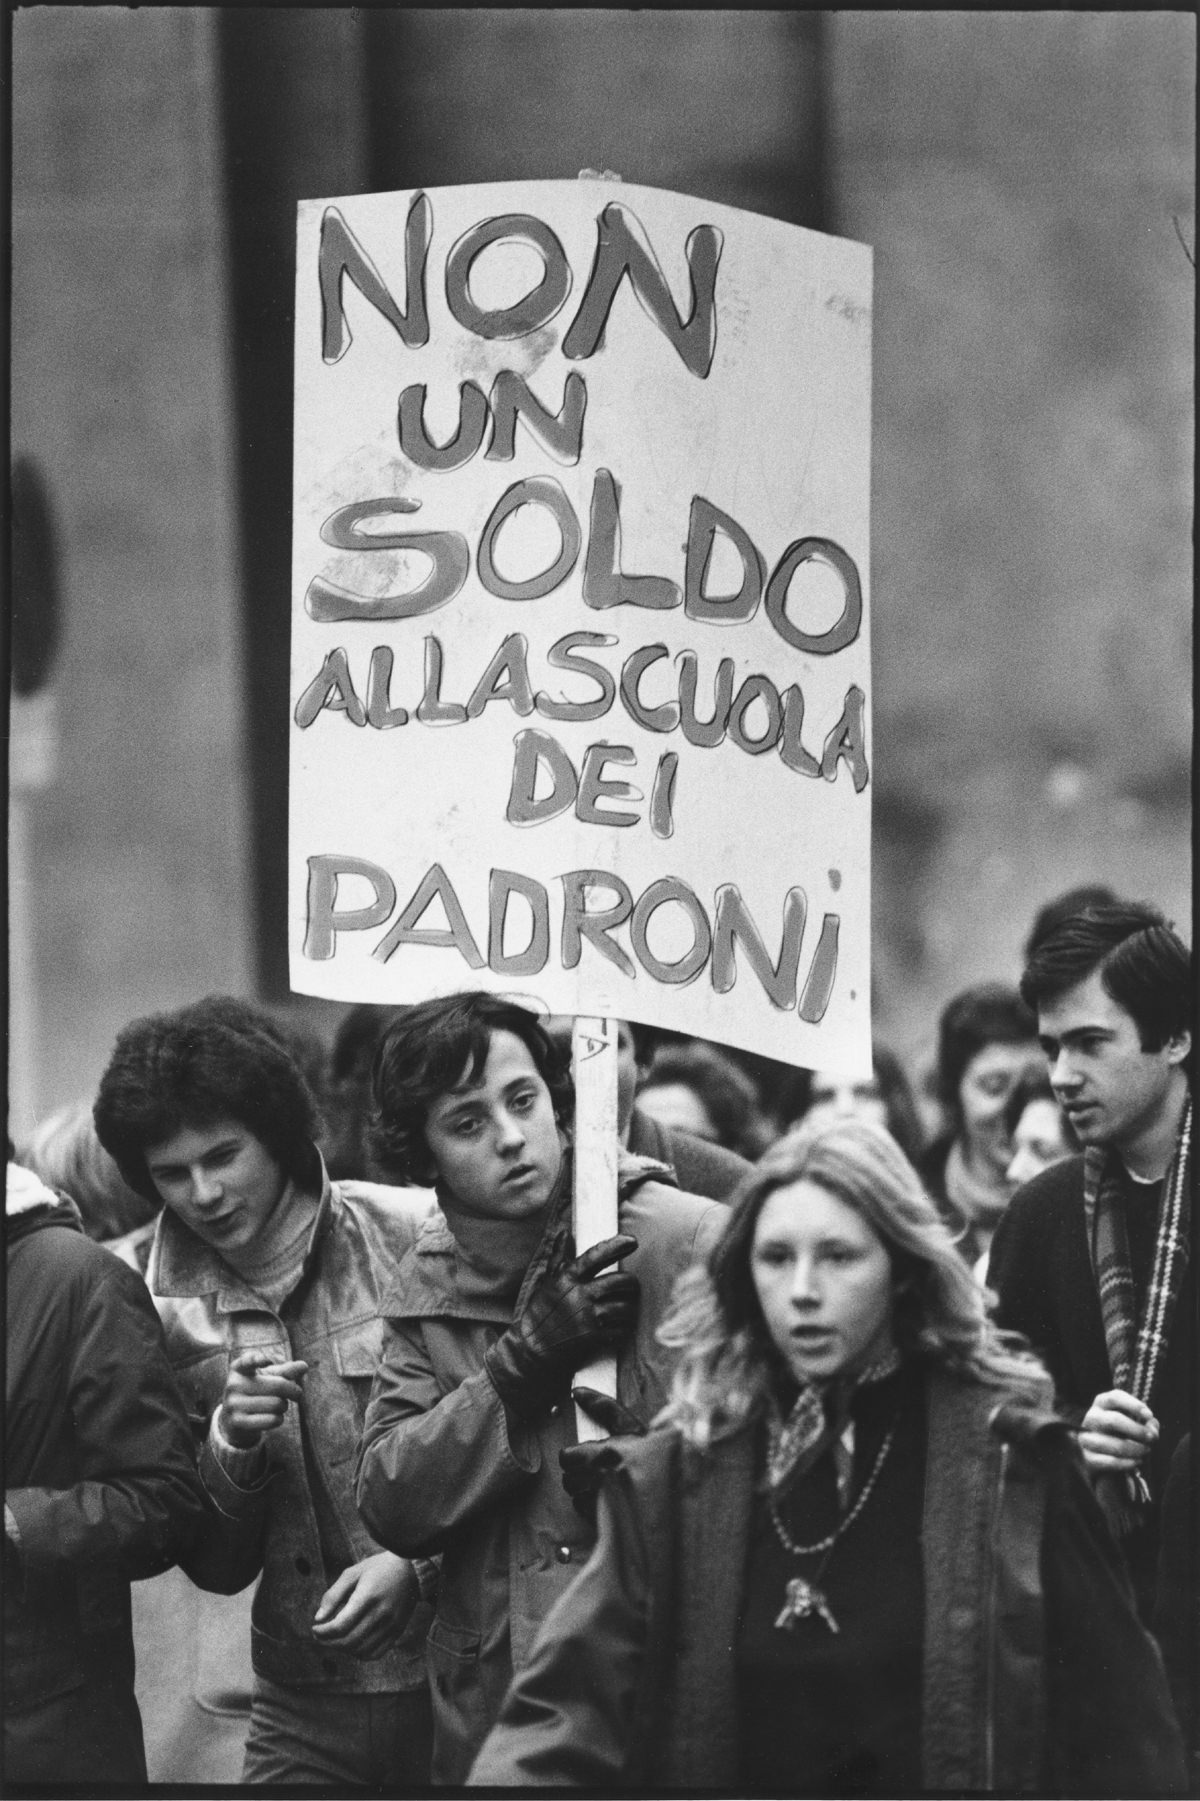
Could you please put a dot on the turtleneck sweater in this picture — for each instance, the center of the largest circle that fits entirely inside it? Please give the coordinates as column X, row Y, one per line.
column 493, row 1253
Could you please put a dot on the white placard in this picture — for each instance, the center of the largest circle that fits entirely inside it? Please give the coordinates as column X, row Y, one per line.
column 580, row 651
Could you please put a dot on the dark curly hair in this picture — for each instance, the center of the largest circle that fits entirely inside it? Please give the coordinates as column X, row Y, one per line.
column 218, row 1058
column 424, row 1052
column 1143, row 963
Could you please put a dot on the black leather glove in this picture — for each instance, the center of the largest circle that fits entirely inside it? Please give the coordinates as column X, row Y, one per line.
column 573, row 1314
column 584, row 1465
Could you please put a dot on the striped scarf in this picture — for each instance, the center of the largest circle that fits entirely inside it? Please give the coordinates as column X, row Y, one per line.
column 1136, row 1344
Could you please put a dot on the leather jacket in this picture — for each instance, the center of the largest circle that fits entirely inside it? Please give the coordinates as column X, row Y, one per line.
column 262, row 1515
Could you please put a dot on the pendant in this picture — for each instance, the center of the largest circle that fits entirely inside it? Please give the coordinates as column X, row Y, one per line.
column 802, row 1600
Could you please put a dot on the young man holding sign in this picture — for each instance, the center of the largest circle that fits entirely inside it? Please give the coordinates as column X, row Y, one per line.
column 491, row 1315
column 267, row 1278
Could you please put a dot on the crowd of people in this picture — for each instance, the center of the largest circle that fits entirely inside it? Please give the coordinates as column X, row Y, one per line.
column 893, row 1492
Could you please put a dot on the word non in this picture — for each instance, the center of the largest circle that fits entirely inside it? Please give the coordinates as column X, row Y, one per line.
column 622, row 250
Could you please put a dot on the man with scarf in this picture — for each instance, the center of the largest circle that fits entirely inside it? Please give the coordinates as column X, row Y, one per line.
column 487, row 1321
column 1091, row 1260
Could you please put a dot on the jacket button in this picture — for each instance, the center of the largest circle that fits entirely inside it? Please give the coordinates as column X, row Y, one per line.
column 304, row 1566
column 563, row 1553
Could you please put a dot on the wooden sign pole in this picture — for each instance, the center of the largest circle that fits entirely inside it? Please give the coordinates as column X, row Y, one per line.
column 594, row 1064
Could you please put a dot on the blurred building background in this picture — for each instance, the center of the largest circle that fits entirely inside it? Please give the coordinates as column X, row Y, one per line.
column 1026, row 181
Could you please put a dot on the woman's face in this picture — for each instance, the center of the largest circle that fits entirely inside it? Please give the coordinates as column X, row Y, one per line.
column 1038, row 1140
column 983, row 1095
column 679, row 1108
column 835, row 1097
column 823, row 1277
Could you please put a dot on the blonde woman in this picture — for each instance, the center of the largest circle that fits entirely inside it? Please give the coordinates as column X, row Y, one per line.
column 859, row 1554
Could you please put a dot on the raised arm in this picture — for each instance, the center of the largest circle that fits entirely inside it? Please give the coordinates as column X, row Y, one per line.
column 235, row 1469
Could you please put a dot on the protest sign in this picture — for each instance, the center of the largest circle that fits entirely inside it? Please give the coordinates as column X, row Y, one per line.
column 580, row 654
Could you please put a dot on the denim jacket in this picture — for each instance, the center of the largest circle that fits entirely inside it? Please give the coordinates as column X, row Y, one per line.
column 261, row 1515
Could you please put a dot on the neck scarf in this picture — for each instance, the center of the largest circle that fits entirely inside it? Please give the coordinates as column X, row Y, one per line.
column 1136, row 1343
column 492, row 1256
column 816, row 1420
column 498, row 1261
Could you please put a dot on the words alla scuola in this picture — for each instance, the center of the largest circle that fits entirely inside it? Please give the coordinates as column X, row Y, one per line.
column 755, row 717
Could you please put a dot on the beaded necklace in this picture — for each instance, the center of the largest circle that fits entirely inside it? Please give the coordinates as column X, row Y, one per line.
column 802, row 1596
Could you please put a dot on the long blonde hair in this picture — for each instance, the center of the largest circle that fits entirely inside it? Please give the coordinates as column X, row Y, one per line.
column 727, row 1363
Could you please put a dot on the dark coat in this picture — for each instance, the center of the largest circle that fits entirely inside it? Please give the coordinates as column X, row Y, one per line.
column 1036, row 1673
column 701, row 1167
column 1177, row 1605
column 101, row 1484
column 1042, row 1273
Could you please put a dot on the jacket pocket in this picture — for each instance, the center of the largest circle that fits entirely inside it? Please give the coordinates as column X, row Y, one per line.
column 355, row 1355
column 453, row 1655
column 356, row 1350
column 458, row 1644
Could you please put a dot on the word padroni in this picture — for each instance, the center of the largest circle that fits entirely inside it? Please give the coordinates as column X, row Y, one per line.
column 714, row 942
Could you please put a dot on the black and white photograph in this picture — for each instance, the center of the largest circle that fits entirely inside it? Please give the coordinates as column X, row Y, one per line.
column 600, row 1003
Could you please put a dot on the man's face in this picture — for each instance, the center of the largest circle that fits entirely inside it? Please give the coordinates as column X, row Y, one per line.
column 1111, row 1089
column 496, row 1142
column 221, row 1181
